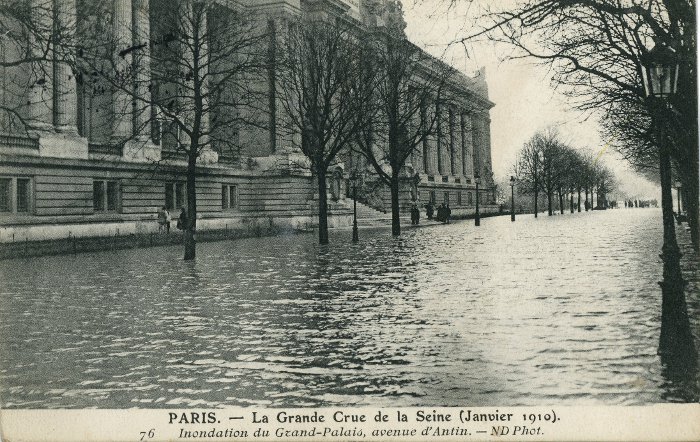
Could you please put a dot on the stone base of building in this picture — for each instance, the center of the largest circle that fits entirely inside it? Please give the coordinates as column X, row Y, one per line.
column 29, row 241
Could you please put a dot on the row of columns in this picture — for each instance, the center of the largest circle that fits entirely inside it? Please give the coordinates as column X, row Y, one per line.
column 53, row 99
column 460, row 145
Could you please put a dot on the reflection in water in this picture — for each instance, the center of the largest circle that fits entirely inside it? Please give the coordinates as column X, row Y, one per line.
column 561, row 310
column 677, row 347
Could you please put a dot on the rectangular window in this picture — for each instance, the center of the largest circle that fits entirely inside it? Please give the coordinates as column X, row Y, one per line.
column 446, row 198
column 175, row 195
column 23, row 195
column 459, row 198
column 5, row 194
column 106, row 196
column 15, row 195
column 433, row 198
column 229, row 196
column 112, row 196
column 98, row 196
column 469, row 198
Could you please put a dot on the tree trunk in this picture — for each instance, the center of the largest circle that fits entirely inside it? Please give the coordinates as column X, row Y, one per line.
column 322, row 205
column 549, row 202
column 537, row 192
column 578, row 202
column 395, row 208
column 571, row 202
column 191, row 224
column 561, row 202
column 586, row 204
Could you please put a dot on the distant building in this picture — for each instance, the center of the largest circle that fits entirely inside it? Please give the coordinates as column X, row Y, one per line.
column 61, row 173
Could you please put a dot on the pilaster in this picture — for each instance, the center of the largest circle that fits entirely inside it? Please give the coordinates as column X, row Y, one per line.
column 467, row 145
column 456, row 126
column 142, row 68
column 122, row 104
column 40, row 94
column 477, row 142
column 65, row 90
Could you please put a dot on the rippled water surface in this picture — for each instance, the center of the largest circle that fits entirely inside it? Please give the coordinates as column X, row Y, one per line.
column 561, row 310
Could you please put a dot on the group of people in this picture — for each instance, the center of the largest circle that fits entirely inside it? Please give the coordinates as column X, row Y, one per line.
column 164, row 220
column 641, row 203
column 443, row 212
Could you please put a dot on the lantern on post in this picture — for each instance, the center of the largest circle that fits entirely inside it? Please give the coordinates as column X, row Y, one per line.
column 660, row 72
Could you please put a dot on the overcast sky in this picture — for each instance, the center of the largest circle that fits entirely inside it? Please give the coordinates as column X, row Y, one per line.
column 525, row 101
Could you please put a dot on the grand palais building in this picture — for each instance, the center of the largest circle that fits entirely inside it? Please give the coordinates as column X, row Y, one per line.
column 61, row 174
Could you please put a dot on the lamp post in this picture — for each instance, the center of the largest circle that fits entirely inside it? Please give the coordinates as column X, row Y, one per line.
column 355, row 234
column 512, row 198
column 477, row 218
column 678, row 197
column 660, row 82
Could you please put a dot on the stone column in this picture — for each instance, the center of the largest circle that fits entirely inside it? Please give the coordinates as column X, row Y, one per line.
column 424, row 147
column 65, row 91
column 477, row 142
column 194, row 29
column 142, row 67
column 432, row 141
column 451, row 141
column 486, row 149
column 40, row 94
column 285, row 138
column 441, row 130
column 417, row 156
column 457, row 142
column 122, row 102
column 184, row 94
column 467, row 145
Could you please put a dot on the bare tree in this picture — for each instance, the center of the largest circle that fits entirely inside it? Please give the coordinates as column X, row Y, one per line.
column 552, row 155
column 186, row 83
column 597, row 50
column 408, row 81
column 320, row 62
column 528, row 168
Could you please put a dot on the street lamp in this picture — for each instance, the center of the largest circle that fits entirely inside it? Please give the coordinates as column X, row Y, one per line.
column 678, row 197
column 355, row 234
column 660, row 72
column 512, row 198
column 477, row 218
column 660, row 83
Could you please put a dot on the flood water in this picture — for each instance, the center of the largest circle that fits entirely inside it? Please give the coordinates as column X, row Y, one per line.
column 562, row 310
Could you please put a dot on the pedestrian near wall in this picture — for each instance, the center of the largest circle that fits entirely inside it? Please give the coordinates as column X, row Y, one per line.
column 168, row 219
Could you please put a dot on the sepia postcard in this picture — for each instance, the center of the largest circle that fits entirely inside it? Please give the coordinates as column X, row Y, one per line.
column 349, row 220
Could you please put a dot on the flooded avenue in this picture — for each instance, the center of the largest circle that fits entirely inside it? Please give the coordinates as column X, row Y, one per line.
column 561, row 310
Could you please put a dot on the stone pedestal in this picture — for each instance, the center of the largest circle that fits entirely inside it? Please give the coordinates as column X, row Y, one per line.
column 208, row 156
column 63, row 145
column 141, row 151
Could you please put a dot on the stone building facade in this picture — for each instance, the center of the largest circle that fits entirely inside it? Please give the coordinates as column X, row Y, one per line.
column 62, row 173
